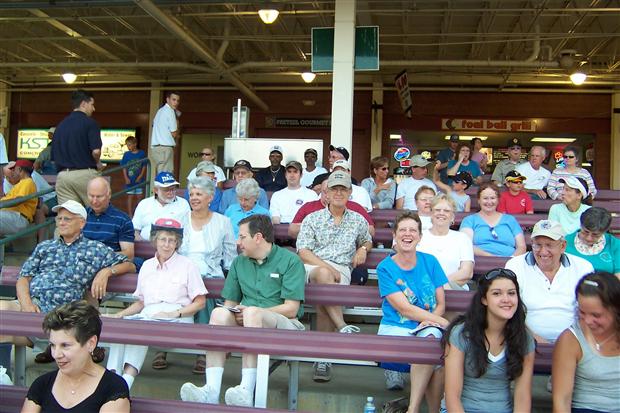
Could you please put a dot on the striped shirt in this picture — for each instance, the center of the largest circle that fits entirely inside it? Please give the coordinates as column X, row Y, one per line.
column 111, row 227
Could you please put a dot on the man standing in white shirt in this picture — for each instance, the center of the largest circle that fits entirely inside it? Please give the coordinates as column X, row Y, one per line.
column 547, row 279
column 537, row 176
column 286, row 202
column 311, row 170
column 358, row 194
column 165, row 134
column 405, row 193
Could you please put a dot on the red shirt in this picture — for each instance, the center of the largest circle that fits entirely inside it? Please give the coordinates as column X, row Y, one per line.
column 515, row 204
column 313, row 206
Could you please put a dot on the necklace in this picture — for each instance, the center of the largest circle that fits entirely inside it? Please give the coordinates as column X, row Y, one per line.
column 599, row 345
column 274, row 173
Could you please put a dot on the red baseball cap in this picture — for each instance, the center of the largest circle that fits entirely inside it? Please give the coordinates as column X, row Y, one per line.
column 23, row 163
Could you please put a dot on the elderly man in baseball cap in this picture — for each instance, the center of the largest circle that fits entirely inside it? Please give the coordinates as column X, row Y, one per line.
column 358, row 194
column 547, row 279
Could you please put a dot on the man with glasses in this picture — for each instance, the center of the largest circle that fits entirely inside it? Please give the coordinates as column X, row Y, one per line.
column 547, row 279
column 331, row 242
column 62, row 270
column 208, row 155
column 405, row 193
column 509, row 164
column 537, row 176
column 164, row 204
column 358, row 194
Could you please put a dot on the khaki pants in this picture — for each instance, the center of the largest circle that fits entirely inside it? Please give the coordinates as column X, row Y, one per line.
column 72, row 185
column 163, row 158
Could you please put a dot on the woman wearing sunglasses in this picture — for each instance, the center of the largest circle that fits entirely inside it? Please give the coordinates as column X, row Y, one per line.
column 586, row 358
column 487, row 348
column 493, row 233
column 555, row 188
column 380, row 187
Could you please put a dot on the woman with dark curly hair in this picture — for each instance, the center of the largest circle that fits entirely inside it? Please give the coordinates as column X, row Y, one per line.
column 487, row 348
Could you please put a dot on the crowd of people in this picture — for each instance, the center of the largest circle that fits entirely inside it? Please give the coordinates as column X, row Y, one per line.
column 565, row 290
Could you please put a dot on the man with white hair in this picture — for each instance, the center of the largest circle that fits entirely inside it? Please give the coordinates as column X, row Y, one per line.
column 547, row 279
column 164, row 204
column 286, row 202
column 358, row 194
column 537, row 176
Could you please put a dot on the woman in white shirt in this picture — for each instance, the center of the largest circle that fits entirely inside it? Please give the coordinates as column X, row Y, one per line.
column 454, row 250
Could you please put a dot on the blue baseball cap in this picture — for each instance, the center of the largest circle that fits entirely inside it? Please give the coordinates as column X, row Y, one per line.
column 164, row 180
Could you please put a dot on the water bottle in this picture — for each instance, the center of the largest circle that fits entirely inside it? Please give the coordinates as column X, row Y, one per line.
column 370, row 405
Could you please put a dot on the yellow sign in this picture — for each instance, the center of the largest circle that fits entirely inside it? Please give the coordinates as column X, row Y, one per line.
column 30, row 142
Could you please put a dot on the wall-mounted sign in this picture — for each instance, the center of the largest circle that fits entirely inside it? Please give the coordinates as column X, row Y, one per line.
column 402, row 153
column 292, row 123
column 491, row 125
column 30, row 142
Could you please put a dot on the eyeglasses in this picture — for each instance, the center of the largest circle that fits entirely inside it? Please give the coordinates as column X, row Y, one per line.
column 548, row 246
column 493, row 233
column 165, row 240
column 64, row 219
column 569, row 156
column 206, row 153
column 385, row 168
column 500, row 272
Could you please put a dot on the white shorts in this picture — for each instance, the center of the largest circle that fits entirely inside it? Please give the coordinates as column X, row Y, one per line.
column 345, row 272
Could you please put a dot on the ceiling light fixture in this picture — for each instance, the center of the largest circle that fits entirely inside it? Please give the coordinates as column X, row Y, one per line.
column 268, row 16
column 468, row 138
column 69, row 77
column 308, row 77
column 578, row 77
column 554, row 140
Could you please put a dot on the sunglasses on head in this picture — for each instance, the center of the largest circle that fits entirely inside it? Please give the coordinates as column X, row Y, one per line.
column 500, row 271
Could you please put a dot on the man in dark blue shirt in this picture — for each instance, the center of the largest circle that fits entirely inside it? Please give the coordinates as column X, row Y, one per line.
column 76, row 149
column 445, row 155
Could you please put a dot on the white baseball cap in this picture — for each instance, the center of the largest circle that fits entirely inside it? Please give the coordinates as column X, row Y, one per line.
column 73, row 207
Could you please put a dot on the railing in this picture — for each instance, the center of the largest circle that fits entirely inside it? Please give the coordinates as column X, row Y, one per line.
column 50, row 221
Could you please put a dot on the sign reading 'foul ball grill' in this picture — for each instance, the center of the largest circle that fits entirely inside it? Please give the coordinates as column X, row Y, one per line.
column 490, row 125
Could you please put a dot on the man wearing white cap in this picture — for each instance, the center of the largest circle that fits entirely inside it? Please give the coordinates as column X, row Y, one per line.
column 273, row 177
column 405, row 193
column 547, row 279
column 164, row 204
column 358, row 194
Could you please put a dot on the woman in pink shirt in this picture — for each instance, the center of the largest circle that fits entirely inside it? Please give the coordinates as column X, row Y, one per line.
column 169, row 289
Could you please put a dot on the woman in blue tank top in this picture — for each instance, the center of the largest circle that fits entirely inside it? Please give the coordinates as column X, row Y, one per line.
column 487, row 348
column 586, row 358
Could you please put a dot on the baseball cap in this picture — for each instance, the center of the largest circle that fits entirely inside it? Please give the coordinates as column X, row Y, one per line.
column 294, row 164
column 276, row 148
column 164, row 180
column 340, row 149
column 23, row 163
column 167, row 224
column 572, row 182
column 72, row 206
column 419, row 160
column 454, row 137
column 464, row 177
column 51, row 130
column 205, row 166
column 311, row 150
column 514, row 142
column 514, row 176
column 546, row 228
column 339, row 178
column 242, row 163
column 319, row 179
column 342, row 164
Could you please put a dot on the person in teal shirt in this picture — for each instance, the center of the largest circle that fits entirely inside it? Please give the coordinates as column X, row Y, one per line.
column 575, row 201
column 593, row 243
column 247, row 194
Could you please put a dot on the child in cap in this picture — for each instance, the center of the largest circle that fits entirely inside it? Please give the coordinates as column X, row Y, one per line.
column 460, row 182
column 515, row 200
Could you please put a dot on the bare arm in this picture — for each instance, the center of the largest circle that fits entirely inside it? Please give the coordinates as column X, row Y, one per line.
column 127, row 249
column 30, row 407
column 463, row 274
column 467, row 205
column 437, row 180
column 412, row 312
column 134, row 308
column 399, row 203
column 137, row 235
column 275, row 220
column 523, row 386
column 22, row 288
column 100, row 282
column 197, row 304
column 289, row 309
column 566, row 355
column 520, row 245
column 454, row 371
column 455, row 168
column 308, row 257
column 116, row 406
column 293, row 230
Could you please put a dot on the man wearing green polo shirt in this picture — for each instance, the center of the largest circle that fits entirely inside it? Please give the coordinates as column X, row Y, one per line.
column 264, row 288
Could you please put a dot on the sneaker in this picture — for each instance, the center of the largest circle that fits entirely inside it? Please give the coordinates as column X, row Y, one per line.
column 394, row 380
column 192, row 393
column 322, row 371
column 239, row 396
column 349, row 329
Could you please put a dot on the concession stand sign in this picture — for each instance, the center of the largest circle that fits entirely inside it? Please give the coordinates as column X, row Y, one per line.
column 314, row 123
column 491, row 125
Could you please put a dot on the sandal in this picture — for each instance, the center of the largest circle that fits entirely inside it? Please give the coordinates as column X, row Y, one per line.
column 159, row 361
column 200, row 365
